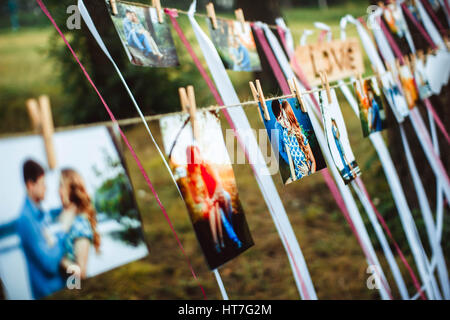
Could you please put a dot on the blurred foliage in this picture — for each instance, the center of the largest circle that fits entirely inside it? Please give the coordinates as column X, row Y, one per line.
column 115, row 199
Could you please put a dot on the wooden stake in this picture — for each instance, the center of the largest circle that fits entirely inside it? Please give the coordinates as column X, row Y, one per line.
column 211, row 14
column 113, row 7
column 47, row 130
column 159, row 11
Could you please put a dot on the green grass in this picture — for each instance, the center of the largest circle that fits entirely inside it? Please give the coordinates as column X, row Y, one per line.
column 334, row 258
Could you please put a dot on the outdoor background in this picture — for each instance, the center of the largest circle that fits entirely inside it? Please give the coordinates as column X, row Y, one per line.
column 34, row 61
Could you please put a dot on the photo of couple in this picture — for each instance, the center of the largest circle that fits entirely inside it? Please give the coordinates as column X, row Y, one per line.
column 337, row 137
column 371, row 106
column 293, row 139
column 203, row 171
column 235, row 45
column 77, row 220
column 146, row 41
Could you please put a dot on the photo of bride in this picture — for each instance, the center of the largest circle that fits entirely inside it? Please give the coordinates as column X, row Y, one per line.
column 72, row 222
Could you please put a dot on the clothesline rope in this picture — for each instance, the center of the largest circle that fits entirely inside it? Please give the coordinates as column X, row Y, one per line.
column 136, row 120
column 138, row 4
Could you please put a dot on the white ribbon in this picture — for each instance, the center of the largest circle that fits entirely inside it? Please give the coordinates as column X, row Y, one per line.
column 256, row 159
column 394, row 183
column 344, row 190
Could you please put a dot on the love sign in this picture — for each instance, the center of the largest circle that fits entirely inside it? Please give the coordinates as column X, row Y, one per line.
column 338, row 58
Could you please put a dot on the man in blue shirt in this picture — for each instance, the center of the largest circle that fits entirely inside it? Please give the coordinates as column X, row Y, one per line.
column 43, row 249
column 138, row 37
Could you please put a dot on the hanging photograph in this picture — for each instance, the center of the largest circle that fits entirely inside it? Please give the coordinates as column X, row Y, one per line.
column 235, row 44
column 146, row 41
column 372, row 112
column 396, row 23
column 203, row 171
column 80, row 218
column 409, row 86
column 337, row 138
column 421, row 78
column 394, row 97
column 293, row 139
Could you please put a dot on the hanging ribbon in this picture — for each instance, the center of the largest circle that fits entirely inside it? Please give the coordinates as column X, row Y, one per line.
column 130, row 148
column 391, row 175
column 239, row 123
column 399, row 280
column 433, row 16
column 352, row 215
column 418, row 26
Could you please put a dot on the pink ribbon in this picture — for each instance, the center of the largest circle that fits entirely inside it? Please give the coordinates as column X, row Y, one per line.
column 391, row 41
column 130, row 148
column 418, row 26
column 437, row 119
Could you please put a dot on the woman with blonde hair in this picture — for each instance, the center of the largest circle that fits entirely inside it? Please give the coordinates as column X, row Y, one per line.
column 83, row 231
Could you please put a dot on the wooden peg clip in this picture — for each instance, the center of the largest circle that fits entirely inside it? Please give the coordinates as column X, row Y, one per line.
column 48, row 130
column 240, row 17
column 188, row 104
column 42, row 121
column 259, row 96
column 326, row 85
column 295, row 90
column 159, row 11
column 184, row 101
column 35, row 114
column 113, row 7
column 211, row 14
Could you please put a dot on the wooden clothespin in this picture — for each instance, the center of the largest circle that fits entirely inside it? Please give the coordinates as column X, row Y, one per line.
column 113, row 7
column 183, row 99
column 42, row 121
column 258, row 95
column 361, row 83
column 240, row 17
column 211, row 14
column 326, row 85
column 295, row 90
column 188, row 104
column 35, row 114
column 159, row 11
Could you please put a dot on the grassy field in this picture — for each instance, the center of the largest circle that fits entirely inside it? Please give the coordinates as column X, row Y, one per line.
column 334, row 258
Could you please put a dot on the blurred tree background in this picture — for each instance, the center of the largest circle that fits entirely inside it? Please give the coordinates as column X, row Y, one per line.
column 35, row 61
